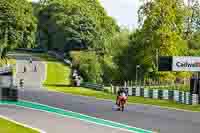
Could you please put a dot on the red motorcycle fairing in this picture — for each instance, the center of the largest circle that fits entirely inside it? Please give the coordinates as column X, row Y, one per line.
column 122, row 98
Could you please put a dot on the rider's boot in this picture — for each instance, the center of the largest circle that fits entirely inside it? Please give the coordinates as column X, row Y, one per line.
column 117, row 101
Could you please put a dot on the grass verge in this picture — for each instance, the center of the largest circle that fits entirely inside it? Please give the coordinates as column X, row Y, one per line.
column 45, row 57
column 12, row 62
column 10, row 127
column 131, row 99
column 57, row 74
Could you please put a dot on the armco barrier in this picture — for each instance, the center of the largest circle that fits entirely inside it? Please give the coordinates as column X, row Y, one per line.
column 175, row 95
column 92, row 86
column 60, row 57
column 33, row 50
column 52, row 53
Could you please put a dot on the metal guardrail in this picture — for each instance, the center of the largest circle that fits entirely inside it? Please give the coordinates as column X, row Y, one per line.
column 60, row 57
column 93, row 86
column 34, row 50
column 52, row 53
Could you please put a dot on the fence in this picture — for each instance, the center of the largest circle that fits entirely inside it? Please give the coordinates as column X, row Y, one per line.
column 174, row 95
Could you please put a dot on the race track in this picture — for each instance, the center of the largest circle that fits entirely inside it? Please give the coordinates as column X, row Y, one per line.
column 51, row 123
column 141, row 116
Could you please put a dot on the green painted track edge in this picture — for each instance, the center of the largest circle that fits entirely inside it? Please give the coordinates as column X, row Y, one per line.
column 66, row 113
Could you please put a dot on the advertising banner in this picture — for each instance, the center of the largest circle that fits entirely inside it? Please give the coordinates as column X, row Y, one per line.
column 186, row 63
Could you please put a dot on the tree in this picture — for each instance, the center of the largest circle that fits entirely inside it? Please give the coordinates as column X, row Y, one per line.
column 89, row 66
column 75, row 24
column 192, row 27
column 162, row 25
column 114, row 63
column 82, row 24
column 192, row 23
column 161, row 28
column 17, row 25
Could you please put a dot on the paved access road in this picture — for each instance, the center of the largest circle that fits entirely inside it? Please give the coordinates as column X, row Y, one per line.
column 32, row 78
column 141, row 116
column 51, row 123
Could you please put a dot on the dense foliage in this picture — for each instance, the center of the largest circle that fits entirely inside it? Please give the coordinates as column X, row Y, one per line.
column 17, row 25
column 81, row 24
column 74, row 24
column 106, row 52
column 166, row 28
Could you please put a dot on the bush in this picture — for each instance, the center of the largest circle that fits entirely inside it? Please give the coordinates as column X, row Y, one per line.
column 88, row 65
column 106, row 90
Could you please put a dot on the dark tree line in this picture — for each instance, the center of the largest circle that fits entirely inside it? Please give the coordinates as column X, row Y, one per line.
column 104, row 51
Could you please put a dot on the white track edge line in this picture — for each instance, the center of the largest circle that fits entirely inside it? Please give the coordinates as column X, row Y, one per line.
column 73, row 118
column 21, row 124
column 87, row 115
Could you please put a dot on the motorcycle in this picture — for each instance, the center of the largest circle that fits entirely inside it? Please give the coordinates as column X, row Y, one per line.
column 21, row 83
column 122, row 102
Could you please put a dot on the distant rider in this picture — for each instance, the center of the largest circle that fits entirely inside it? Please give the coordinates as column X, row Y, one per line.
column 30, row 60
column 122, row 93
column 21, row 82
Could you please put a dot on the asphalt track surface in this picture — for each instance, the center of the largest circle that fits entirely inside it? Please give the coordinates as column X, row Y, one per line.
column 51, row 123
column 141, row 116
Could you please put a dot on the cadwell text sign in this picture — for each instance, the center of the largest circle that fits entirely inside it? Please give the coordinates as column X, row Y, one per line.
column 179, row 63
column 186, row 63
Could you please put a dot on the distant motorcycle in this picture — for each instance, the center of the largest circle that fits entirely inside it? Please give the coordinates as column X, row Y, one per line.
column 21, row 83
column 122, row 102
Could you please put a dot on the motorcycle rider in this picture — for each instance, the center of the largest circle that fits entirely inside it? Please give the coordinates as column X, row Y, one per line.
column 21, row 82
column 122, row 93
column 30, row 60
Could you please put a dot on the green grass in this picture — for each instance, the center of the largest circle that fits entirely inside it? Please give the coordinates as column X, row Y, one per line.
column 9, row 127
column 131, row 99
column 12, row 62
column 57, row 74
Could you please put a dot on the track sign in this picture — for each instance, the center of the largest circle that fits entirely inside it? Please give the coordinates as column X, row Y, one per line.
column 165, row 63
column 186, row 63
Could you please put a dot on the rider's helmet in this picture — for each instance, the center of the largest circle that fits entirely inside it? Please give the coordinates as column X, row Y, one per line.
column 122, row 89
column 125, row 91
